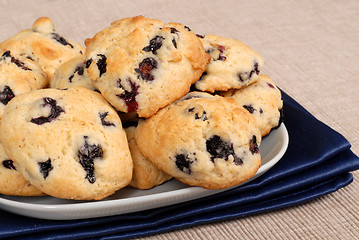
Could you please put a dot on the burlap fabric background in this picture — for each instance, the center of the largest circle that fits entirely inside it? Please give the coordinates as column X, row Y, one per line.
column 311, row 50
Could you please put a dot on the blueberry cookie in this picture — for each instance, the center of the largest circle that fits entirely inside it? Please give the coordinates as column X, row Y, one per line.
column 18, row 75
column 11, row 180
column 65, row 149
column 43, row 45
column 145, row 174
column 71, row 74
column 141, row 65
column 233, row 64
column 202, row 140
column 263, row 100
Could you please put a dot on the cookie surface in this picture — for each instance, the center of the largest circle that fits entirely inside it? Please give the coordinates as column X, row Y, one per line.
column 72, row 73
column 43, row 45
column 18, row 75
column 64, row 149
column 145, row 174
column 141, row 65
column 11, row 180
column 202, row 140
column 233, row 64
column 263, row 100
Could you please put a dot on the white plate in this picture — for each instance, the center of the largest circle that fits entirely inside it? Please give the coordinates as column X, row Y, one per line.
column 128, row 199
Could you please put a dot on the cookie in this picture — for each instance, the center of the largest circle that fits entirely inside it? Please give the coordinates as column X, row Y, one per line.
column 233, row 64
column 72, row 73
column 263, row 100
column 43, row 45
column 18, row 75
column 202, row 140
column 65, row 149
column 141, row 65
column 11, row 180
column 145, row 174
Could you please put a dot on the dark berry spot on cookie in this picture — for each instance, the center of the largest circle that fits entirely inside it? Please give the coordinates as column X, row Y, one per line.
column 88, row 62
column 200, row 36
column 17, row 62
column 79, row 70
column 54, row 113
column 45, row 168
column 249, row 108
column 103, row 115
column 101, row 64
column 248, row 75
column 183, row 163
column 218, row 148
column 174, row 30
column 255, row 70
column 6, row 95
column 155, row 44
column 187, row 28
column 9, row 164
column 270, row 85
column 198, row 115
column 60, row 39
column 145, row 68
column 87, row 154
column 130, row 96
column 260, row 110
column 253, row 145
column 174, row 42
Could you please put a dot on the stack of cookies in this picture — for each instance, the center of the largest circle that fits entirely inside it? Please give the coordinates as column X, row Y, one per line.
column 141, row 103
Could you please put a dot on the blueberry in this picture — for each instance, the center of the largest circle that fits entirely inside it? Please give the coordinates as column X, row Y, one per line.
column 221, row 149
column 183, row 163
column 79, row 70
column 270, row 85
column 103, row 121
column 54, row 113
column 249, row 108
column 9, row 164
column 187, row 28
column 88, row 62
column 87, row 154
column 60, row 39
column 197, row 116
column 145, row 68
column 130, row 96
column 17, row 62
column 155, row 44
column 255, row 70
column 45, row 168
column 101, row 64
column 6, row 95
column 245, row 76
column 253, row 145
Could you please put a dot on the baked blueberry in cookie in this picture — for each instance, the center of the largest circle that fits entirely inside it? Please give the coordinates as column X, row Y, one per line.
column 87, row 154
column 55, row 111
column 9, row 164
column 45, row 168
column 6, row 95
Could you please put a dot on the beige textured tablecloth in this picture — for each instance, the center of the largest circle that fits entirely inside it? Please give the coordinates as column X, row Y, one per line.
column 311, row 50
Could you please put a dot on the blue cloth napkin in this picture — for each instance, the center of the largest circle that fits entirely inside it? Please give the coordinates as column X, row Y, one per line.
column 318, row 161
